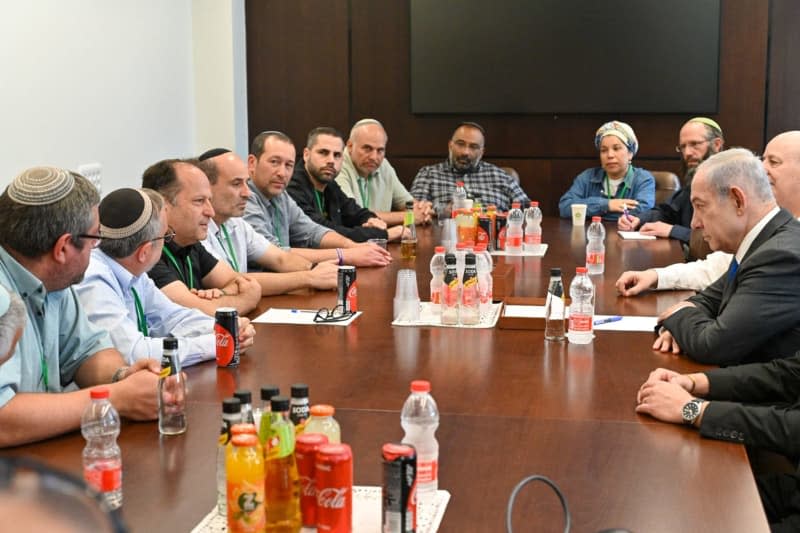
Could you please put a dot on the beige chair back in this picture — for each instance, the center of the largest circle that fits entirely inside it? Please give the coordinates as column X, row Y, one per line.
column 666, row 185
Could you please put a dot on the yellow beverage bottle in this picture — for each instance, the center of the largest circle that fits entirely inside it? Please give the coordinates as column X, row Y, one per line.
column 282, row 482
column 244, row 465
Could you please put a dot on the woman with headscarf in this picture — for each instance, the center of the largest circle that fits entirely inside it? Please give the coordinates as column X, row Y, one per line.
column 616, row 185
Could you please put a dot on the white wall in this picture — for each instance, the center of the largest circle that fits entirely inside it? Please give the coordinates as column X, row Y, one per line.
column 112, row 82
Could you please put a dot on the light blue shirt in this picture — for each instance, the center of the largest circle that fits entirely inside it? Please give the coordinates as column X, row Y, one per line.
column 106, row 295
column 245, row 243
column 291, row 227
column 57, row 338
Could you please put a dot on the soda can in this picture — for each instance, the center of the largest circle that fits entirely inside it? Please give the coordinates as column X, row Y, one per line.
column 334, row 479
column 226, row 330
column 484, row 232
column 399, row 488
column 348, row 292
column 500, row 231
column 305, row 453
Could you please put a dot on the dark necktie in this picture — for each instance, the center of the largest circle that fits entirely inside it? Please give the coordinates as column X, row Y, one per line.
column 732, row 269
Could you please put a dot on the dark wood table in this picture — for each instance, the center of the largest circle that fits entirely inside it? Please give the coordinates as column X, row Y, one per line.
column 512, row 405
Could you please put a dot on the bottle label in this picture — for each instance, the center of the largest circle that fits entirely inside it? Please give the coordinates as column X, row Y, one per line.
column 280, row 440
column 469, row 294
column 332, row 497
column 450, row 293
column 246, row 506
column 513, row 241
column 104, row 479
column 580, row 322
column 436, row 295
column 352, row 297
column 533, row 238
column 595, row 258
column 427, row 471
column 408, row 218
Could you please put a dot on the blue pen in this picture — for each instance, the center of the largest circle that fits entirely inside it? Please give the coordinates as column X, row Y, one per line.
column 607, row 320
column 625, row 212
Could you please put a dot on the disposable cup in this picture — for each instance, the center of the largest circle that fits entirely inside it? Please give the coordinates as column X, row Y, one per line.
column 578, row 214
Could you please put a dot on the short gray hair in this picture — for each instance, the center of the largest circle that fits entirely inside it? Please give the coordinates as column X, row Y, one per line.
column 11, row 322
column 737, row 167
column 121, row 248
column 32, row 230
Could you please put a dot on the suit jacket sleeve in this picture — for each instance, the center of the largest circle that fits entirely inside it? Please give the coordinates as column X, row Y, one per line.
column 776, row 428
column 762, row 304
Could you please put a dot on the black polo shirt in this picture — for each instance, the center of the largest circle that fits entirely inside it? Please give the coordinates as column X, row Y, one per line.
column 189, row 265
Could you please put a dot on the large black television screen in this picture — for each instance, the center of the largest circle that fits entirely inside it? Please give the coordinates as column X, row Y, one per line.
column 564, row 56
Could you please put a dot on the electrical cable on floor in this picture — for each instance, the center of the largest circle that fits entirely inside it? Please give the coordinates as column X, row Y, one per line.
column 543, row 479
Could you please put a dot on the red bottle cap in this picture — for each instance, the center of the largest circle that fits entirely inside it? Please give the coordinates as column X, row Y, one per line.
column 98, row 393
column 420, row 385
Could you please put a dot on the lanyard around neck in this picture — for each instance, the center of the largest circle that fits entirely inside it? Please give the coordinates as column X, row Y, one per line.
column 45, row 370
column 619, row 194
column 278, row 222
column 231, row 253
column 141, row 321
column 363, row 187
column 174, row 262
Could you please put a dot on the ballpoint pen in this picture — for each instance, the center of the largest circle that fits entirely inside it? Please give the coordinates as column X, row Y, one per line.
column 607, row 320
column 625, row 211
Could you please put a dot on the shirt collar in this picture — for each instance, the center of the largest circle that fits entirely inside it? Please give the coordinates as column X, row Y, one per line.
column 744, row 246
column 26, row 283
column 123, row 275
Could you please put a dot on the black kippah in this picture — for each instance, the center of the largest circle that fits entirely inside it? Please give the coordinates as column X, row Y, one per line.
column 124, row 212
column 214, row 152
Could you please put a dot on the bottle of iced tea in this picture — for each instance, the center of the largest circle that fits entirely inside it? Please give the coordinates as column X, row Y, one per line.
column 282, row 484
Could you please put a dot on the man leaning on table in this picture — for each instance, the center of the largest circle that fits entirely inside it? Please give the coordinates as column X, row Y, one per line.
column 781, row 161
column 755, row 404
column 231, row 238
column 276, row 216
column 750, row 313
column 186, row 272
column 368, row 178
column 120, row 298
column 48, row 227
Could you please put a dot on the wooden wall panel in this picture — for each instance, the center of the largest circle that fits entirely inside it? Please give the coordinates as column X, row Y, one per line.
column 783, row 107
column 308, row 73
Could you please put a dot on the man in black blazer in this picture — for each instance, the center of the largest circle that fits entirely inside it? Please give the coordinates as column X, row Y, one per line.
column 752, row 312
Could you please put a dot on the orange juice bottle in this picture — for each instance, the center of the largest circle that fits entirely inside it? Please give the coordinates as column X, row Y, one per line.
column 244, row 464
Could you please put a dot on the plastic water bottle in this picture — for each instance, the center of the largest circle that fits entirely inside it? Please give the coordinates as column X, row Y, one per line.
column 470, row 297
column 581, row 310
column 420, row 418
column 460, row 196
column 102, row 459
column 483, row 263
column 554, row 308
column 231, row 415
column 171, row 391
column 514, row 229
column 596, row 247
column 437, row 278
column 533, row 228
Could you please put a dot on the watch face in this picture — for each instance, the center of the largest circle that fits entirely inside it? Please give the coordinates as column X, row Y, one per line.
column 690, row 411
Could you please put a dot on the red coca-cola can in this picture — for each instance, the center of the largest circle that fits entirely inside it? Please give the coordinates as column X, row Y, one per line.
column 348, row 291
column 334, row 480
column 226, row 330
column 305, row 453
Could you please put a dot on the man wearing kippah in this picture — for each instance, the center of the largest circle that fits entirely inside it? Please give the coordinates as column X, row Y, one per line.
column 699, row 139
column 48, row 226
column 119, row 297
column 484, row 182
column 231, row 238
column 186, row 272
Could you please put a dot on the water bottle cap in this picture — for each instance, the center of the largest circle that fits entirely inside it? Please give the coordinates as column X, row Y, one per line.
column 244, row 396
column 439, row 249
column 555, row 271
column 581, row 270
column 299, row 390
column 595, row 219
column 459, row 184
column 420, row 385
column 534, row 204
column 515, row 205
column 99, row 393
column 231, row 405
column 268, row 391
column 322, row 409
column 461, row 246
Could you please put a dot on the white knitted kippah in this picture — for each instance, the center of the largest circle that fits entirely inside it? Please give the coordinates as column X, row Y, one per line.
column 41, row 186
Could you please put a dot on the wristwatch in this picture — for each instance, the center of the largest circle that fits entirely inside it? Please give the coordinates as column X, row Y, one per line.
column 691, row 411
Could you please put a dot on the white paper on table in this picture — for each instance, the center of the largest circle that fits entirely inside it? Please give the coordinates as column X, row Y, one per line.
column 529, row 311
column 636, row 236
column 628, row 323
column 303, row 317
column 532, row 253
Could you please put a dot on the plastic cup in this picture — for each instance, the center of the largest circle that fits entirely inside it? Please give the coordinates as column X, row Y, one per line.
column 449, row 235
column 406, row 296
column 379, row 242
column 578, row 214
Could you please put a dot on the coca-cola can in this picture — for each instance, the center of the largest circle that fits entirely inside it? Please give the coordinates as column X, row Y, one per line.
column 333, row 470
column 305, row 453
column 500, row 231
column 226, row 330
column 348, row 291
column 399, row 488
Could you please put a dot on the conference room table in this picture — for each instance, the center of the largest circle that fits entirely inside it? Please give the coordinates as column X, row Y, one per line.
column 511, row 405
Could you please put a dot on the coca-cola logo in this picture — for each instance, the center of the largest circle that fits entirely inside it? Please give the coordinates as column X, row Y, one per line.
column 222, row 339
column 332, row 498
column 307, row 488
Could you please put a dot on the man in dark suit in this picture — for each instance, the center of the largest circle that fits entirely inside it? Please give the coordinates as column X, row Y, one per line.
column 751, row 313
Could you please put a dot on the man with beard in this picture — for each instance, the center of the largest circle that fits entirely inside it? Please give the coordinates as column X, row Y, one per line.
column 313, row 188
column 699, row 139
column 48, row 227
column 368, row 178
column 483, row 181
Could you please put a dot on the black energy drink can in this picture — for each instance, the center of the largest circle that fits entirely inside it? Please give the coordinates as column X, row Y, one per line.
column 399, row 488
column 226, row 330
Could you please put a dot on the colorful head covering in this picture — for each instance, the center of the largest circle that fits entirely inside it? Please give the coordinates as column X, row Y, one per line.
column 41, row 186
column 619, row 130
column 713, row 124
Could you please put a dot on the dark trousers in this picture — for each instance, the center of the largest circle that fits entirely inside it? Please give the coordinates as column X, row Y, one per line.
column 780, row 495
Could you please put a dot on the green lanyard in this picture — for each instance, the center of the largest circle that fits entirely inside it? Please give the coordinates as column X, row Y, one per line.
column 45, row 370
column 141, row 321
column 320, row 201
column 624, row 185
column 178, row 268
column 278, row 225
column 230, row 253
column 363, row 186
